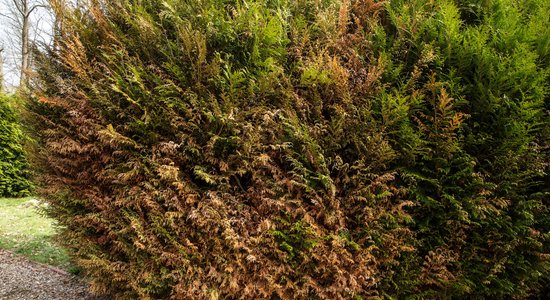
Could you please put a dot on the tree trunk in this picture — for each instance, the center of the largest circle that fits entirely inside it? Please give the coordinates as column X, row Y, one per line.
column 25, row 48
column 1, row 70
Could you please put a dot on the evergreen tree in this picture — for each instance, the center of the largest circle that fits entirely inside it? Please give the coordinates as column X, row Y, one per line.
column 300, row 149
column 14, row 172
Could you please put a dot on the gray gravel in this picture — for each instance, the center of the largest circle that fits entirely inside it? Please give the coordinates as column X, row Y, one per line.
column 21, row 279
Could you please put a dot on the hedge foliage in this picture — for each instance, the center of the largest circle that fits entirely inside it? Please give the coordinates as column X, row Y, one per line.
column 14, row 169
column 301, row 149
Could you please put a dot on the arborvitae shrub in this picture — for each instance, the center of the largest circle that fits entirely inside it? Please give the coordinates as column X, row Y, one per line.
column 14, row 172
column 300, row 149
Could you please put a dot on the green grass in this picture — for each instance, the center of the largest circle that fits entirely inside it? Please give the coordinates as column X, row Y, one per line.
column 23, row 230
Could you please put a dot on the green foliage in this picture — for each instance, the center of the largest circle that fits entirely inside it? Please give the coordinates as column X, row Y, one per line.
column 14, row 172
column 301, row 149
column 295, row 238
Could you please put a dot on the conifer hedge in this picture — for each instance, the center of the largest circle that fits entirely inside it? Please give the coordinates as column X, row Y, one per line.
column 14, row 169
column 319, row 149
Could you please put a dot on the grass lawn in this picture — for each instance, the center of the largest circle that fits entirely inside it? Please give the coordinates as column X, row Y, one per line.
column 23, row 230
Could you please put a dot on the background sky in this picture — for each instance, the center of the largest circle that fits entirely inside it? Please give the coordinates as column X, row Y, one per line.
column 41, row 21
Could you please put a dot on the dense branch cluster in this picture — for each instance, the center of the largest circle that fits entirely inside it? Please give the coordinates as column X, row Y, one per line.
column 300, row 149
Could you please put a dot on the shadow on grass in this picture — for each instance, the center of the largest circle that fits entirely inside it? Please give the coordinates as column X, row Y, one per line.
column 25, row 231
column 40, row 249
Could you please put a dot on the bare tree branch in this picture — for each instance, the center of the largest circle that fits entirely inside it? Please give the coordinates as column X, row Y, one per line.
column 24, row 23
column 9, row 16
column 19, row 6
column 34, row 7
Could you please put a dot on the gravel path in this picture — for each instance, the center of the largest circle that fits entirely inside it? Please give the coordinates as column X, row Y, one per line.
column 21, row 279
